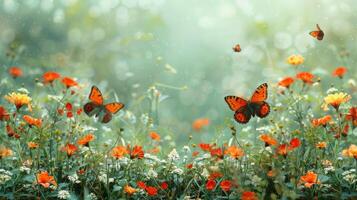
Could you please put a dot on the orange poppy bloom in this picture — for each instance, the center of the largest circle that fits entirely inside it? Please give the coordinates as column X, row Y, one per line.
column 286, row 82
column 306, row 77
column 350, row 152
column 352, row 116
column 70, row 149
column 15, row 72
column 211, row 184
column 44, row 179
column 119, row 152
column 69, row 82
column 129, row 190
column 321, row 145
column 283, row 150
column 137, row 152
column 32, row 145
column 4, row 116
column 49, row 77
column 154, row 136
column 310, row 178
column 198, row 124
column 217, row 152
column 32, row 121
column 294, row 143
column 5, row 152
column 321, row 121
column 152, row 191
column 86, row 139
column 269, row 141
column 19, row 100
column 295, row 60
column 205, row 147
column 248, row 195
column 339, row 72
column 215, row 175
column 336, row 99
column 226, row 185
column 234, row 152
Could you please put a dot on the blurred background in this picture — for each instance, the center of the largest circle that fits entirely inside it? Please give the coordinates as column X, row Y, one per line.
column 183, row 48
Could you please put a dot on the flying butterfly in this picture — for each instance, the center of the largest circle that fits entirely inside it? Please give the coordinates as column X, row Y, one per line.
column 237, row 48
column 97, row 107
column 245, row 109
column 318, row 34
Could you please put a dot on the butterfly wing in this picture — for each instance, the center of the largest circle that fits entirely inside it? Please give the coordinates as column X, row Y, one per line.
column 113, row 107
column 319, row 34
column 242, row 115
column 107, row 117
column 237, row 48
column 262, row 110
column 235, row 103
column 96, row 96
column 91, row 109
column 260, row 94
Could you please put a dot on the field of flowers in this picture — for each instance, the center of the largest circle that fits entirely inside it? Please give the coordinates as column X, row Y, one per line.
column 305, row 149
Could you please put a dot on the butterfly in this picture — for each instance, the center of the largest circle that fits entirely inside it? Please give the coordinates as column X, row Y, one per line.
column 319, row 34
column 97, row 107
column 237, row 48
column 245, row 109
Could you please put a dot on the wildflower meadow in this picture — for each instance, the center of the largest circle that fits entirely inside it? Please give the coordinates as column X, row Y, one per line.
column 66, row 135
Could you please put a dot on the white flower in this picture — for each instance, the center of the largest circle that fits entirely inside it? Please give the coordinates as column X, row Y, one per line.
column 352, row 82
column 256, row 180
column 186, row 149
column 4, row 176
column 173, row 155
column 167, row 137
column 205, row 173
column 144, row 118
column 63, row 194
column 25, row 169
column 332, row 90
column 74, row 178
column 178, row 171
column 92, row 196
column 152, row 173
column 329, row 169
column 23, row 90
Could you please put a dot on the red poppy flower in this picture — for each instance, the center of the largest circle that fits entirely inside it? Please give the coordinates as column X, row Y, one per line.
column 217, row 152
column 215, row 175
column 141, row 185
column 352, row 116
column 339, row 72
column 205, row 147
column 70, row 149
column 283, row 150
column 137, row 152
column 294, row 143
column 286, row 82
column 248, row 195
column 189, row 166
column 4, row 116
column 164, row 185
column 226, row 185
column 152, row 191
column 211, row 184
column 306, row 77
column 49, row 77
column 15, row 72
column 69, row 82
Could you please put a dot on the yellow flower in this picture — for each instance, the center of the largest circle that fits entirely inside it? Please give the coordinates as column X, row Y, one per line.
column 321, row 145
column 19, row 100
column 129, row 190
column 295, row 60
column 336, row 99
column 351, row 151
column 5, row 152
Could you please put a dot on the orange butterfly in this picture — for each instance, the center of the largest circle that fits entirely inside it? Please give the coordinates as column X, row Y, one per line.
column 237, row 48
column 319, row 34
column 96, row 106
column 244, row 109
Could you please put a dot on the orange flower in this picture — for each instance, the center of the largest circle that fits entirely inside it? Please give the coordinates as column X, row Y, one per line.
column 152, row 191
column 234, row 152
column 32, row 145
column 217, row 152
column 198, row 124
column 137, row 152
column 286, row 82
column 19, row 100
column 15, row 72
column 215, row 175
column 351, row 151
column 294, row 143
column 226, row 185
column 32, row 121
column 4, row 116
column 321, row 121
column 211, row 184
column 154, row 150
column 154, row 136
column 295, row 60
column 129, row 190
column 271, row 173
column 44, row 179
column 119, row 152
column 269, row 141
column 336, row 99
column 310, row 178
column 306, row 77
column 85, row 139
column 5, row 152
column 69, row 82
column 351, row 116
column 49, row 77
column 248, row 195
column 321, row 145
column 339, row 72
column 141, row 185
column 283, row 150
column 205, row 147
column 70, row 149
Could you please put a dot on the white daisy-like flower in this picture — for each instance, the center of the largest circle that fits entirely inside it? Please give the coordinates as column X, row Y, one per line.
column 173, row 155
column 63, row 194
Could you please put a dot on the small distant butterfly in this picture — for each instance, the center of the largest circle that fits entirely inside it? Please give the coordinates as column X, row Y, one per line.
column 97, row 107
column 237, row 48
column 318, row 34
column 245, row 109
